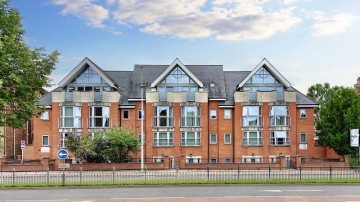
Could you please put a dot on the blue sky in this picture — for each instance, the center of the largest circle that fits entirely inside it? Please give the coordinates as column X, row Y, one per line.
column 308, row 41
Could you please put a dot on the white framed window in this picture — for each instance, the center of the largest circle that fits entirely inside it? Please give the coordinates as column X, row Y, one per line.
column 45, row 115
column 45, row 141
column 99, row 117
column 252, row 138
column 302, row 113
column 192, row 159
column 303, row 159
column 158, row 159
column 190, row 116
column 70, row 117
column 279, row 138
column 213, row 138
column 251, row 116
column 163, row 139
column 252, row 159
column 227, row 138
column 163, row 116
column 227, row 160
column 125, row 114
column 279, row 116
column 63, row 139
column 140, row 114
column 213, row 160
column 212, row 114
column 303, row 138
column 227, row 114
column 190, row 139
column 272, row 159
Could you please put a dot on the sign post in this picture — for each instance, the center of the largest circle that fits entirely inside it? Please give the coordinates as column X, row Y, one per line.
column 354, row 141
column 22, row 151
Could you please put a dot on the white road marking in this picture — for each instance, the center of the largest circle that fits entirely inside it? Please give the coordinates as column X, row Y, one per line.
column 295, row 190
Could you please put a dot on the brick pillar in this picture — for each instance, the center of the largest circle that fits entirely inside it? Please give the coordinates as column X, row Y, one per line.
column 166, row 162
column 182, row 161
column 45, row 163
column 1, row 162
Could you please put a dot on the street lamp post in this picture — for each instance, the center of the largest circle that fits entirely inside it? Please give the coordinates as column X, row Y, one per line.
column 142, row 85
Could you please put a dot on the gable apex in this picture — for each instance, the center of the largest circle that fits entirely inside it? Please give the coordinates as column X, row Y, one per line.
column 170, row 68
column 265, row 63
column 80, row 67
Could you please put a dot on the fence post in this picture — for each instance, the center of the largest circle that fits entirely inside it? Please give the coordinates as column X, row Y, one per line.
column 238, row 174
column 145, row 174
column 269, row 172
column 13, row 178
column 113, row 176
column 300, row 172
column 177, row 174
column 80, row 175
column 330, row 173
column 208, row 173
column 47, row 177
column 63, row 178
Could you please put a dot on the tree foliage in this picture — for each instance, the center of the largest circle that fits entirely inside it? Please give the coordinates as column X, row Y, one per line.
column 339, row 112
column 319, row 93
column 23, row 72
column 114, row 145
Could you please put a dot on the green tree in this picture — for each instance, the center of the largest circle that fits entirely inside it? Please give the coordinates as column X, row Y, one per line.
column 23, row 72
column 114, row 145
column 339, row 113
column 319, row 93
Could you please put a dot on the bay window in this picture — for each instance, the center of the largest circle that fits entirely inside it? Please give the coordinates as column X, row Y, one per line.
column 70, row 117
column 279, row 138
column 163, row 116
column 190, row 116
column 190, row 139
column 252, row 138
column 99, row 117
column 163, row 139
column 251, row 116
column 279, row 116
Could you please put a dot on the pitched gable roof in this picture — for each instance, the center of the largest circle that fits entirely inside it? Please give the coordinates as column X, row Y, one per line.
column 170, row 68
column 80, row 67
column 272, row 71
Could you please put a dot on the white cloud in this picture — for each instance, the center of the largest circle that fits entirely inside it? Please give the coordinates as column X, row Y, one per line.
column 93, row 14
column 332, row 25
column 220, row 19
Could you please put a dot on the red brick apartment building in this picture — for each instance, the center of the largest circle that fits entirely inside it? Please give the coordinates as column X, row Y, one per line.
column 199, row 113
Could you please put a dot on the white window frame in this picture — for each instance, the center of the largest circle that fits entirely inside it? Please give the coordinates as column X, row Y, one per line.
column 169, row 139
column 192, row 159
column 123, row 114
column 213, row 159
column 303, row 113
column 63, row 138
column 45, row 115
column 274, row 138
column 248, row 117
column 42, row 141
column 105, row 117
column 272, row 159
column 140, row 114
column 227, row 113
column 246, row 138
column 187, row 141
column 169, row 116
column 251, row 159
column 301, row 135
column 195, row 117
column 275, row 117
column 158, row 159
column 227, row 160
column 76, row 117
column 212, row 114
column 211, row 135
column 227, row 134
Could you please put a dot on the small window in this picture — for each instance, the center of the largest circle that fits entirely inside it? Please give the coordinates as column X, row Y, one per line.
column 212, row 114
column 303, row 159
column 302, row 113
column 227, row 138
column 125, row 114
column 45, row 115
column 227, row 160
column 272, row 159
column 139, row 137
column 213, row 138
column 45, row 141
column 302, row 138
column 227, row 114
column 140, row 114
column 213, row 160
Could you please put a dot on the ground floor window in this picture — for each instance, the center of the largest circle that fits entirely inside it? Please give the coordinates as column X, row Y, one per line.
column 252, row 159
column 158, row 159
column 192, row 159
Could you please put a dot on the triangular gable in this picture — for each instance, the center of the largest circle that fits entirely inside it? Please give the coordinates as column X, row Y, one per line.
column 170, row 68
column 80, row 67
column 271, row 70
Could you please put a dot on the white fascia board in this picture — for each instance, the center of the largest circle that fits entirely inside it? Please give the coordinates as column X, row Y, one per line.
column 80, row 67
column 136, row 99
column 217, row 99
column 48, row 107
column 226, row 106
column 308, row 106
column 170, row 68
column 127, row 107
column 271, row 69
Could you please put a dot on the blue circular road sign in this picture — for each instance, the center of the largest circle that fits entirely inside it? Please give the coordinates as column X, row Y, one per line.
column 63, row 154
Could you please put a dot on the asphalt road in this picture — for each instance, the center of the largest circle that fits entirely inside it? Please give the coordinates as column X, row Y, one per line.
column 198, row 193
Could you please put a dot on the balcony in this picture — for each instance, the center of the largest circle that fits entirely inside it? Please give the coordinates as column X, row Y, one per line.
column 99, row 122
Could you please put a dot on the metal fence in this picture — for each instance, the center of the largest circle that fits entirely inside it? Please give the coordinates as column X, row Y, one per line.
column 121, row 177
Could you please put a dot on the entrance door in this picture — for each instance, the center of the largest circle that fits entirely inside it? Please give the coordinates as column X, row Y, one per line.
column 171, row 162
